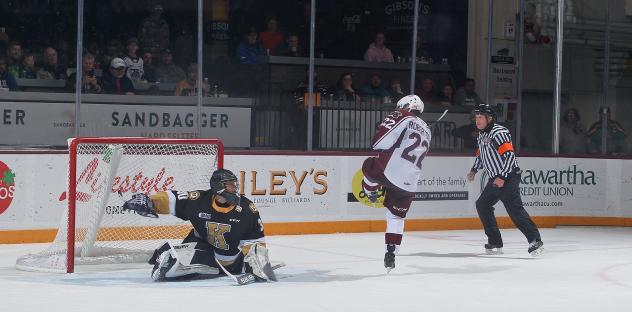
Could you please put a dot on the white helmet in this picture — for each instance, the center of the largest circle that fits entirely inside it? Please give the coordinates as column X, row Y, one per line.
column 411, row 103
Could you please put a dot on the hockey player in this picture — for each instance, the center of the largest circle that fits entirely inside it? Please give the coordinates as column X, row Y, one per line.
column 226, row 229
column 496, row 155
column 402, row 140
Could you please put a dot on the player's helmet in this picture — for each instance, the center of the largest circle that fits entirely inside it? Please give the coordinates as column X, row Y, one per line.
column 484, row 109
column 218, row 185
column 411, row 103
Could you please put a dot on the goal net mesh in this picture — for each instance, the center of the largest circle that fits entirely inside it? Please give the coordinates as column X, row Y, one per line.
column 108, row 174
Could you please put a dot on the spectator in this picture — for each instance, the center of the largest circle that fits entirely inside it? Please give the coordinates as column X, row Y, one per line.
column 374, row 90
column 154, row 31
column 95, row 49
column 51, row 69
column 396, row 90
column 345, row 90
column 446, row 98
column 319, row 87
column 188, row 87
column 466, row 94
column 615, row 136
column 427, row 91
column 7, row 81
column 89, row 80
column 291, row 47
column 28, row 67
column 115, row 81
column 302, row 90
column 167, row 71
column 149, row 70
column 377, row 51
column 271, row 38
column 572, row 133
column 133, row 61
column 14, row 52
column 113, row 50
column 250, row 51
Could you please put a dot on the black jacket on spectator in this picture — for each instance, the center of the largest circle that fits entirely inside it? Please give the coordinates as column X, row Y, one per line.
column 111, row 86
column 345, row 95
column 150, row 74
column 86, row 88
column 52, row 72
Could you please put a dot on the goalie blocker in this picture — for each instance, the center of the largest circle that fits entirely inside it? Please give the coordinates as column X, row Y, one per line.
column 227, row 229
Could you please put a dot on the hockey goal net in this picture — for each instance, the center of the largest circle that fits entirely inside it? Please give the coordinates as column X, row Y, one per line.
column 104, row 173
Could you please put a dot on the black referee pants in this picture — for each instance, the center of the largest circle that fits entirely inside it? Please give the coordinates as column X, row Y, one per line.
column 509, row 194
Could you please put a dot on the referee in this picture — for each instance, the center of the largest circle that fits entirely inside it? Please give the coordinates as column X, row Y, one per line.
column 495, row 154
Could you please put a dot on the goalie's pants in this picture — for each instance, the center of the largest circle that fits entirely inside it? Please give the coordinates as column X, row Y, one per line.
column 509, row 194
column 396, row 200
column 204, row 255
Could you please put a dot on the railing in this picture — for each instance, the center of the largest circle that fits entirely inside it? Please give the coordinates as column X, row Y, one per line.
column 338, row 125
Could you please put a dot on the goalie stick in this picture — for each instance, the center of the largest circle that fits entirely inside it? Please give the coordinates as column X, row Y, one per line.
column 246, row 278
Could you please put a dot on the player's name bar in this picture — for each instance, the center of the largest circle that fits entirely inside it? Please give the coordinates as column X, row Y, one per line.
column 427, row 196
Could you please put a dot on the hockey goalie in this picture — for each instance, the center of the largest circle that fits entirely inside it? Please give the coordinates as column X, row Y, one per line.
column 227, row 232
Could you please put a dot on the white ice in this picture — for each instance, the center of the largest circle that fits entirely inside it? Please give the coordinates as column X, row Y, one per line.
column 583, row 269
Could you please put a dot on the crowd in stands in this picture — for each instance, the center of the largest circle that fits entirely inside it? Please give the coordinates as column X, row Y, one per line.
column 575, row 138
column 145, row 58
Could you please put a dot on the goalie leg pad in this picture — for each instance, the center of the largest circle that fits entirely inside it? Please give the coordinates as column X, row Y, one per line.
column 258, row 260
column 183, row 260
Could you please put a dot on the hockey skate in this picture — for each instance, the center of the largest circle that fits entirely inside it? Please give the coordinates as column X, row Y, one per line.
column 494, row 249
column 162, row 266
column 372, row 197
column 536, row 248
column 389, row 258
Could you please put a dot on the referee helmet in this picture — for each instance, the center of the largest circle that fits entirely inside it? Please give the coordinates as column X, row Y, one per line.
column 484, row 109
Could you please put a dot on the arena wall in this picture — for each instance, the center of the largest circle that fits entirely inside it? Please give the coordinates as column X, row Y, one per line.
column 319, row 193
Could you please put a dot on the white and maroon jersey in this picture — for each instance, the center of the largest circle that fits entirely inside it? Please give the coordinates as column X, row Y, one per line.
column 403, row 140
column 135, row 67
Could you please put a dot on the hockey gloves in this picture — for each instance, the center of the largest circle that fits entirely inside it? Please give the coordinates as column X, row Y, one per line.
column 142, row 205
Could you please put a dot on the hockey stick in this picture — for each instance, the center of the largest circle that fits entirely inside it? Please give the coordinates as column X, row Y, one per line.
column 442, row 115
column 246, row 278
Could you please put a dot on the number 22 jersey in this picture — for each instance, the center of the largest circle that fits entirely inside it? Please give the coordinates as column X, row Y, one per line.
column 403, row 140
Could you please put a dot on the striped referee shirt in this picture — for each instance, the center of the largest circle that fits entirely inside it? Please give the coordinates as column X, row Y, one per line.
column 495, row 152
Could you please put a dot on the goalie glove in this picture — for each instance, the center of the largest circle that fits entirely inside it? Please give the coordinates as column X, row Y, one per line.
column 257, row 258
column 142, row 205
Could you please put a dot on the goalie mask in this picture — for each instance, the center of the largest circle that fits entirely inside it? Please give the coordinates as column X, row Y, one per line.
column 411, row 103
column 224, row 183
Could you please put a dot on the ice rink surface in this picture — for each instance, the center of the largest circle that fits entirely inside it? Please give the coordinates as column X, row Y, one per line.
column 582, row 269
